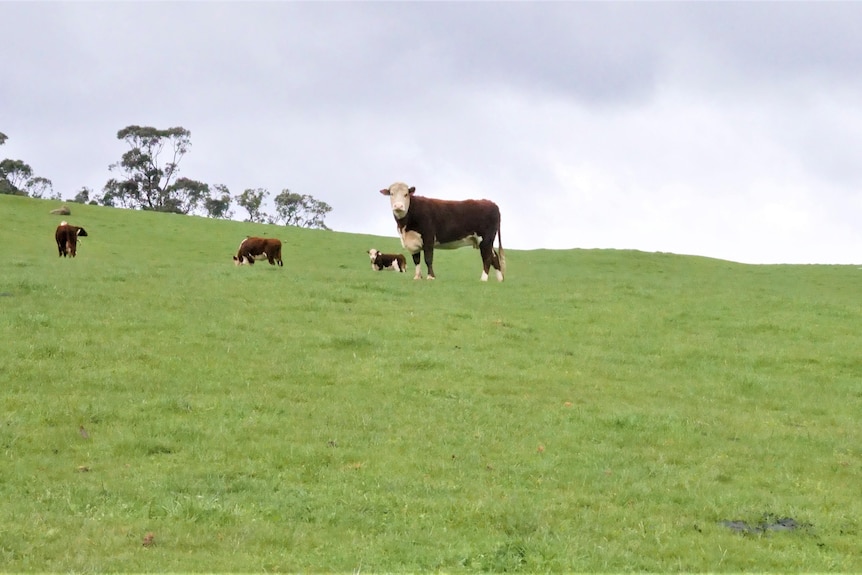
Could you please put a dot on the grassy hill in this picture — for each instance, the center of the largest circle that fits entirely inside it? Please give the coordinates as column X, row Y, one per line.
column 597, row 411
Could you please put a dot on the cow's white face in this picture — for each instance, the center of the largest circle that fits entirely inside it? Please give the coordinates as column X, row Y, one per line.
column 399, row 197
column 372, row 253
column 238, row 259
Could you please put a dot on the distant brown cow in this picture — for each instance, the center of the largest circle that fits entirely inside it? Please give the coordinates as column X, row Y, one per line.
column 251, row 249
column 381, row 261
column 67, row 239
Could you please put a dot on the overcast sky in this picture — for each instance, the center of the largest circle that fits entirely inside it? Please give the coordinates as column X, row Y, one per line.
column 728, row 130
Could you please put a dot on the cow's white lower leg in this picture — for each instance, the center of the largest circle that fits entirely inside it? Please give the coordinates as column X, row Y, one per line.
column 484, row 277
column 499, row 276
column 418, row 274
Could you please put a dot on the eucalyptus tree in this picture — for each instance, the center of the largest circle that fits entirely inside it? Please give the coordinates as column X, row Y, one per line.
column 251, row 201
column 219, row 202
column 14, row 175
column 83, row 196
column 147, row 181
column 300, row 210
column 39, row 187
column 16, row 178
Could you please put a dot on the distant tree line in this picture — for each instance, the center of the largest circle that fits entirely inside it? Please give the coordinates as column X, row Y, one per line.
column 145, row 180
column 17, row 178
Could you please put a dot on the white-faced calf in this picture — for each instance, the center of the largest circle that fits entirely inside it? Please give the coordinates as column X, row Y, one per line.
column 380, row 261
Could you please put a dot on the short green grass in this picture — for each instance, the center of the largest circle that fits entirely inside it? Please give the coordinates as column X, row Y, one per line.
column 597, row 411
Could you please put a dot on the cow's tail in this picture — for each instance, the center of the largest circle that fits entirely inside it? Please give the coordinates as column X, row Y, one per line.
column 500, row 255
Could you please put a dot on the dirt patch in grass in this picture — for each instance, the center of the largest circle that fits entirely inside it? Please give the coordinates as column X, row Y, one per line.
column 768, row 522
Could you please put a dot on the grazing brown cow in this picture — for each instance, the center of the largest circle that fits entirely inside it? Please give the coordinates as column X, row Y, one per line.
column 380, row 261
column 425, row 223
column 67, row 239
column 251, row 249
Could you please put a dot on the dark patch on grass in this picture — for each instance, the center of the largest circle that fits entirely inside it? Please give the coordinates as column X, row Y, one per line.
column 159, row 449
column 424, row 363
column 350, row 342
column 629, row 421
column 768, row 522
column 372, row 287
column 509, row 557
column 175, row 405
column 343, row 299
column 145, row 446
column 442, row 393
column 46, row 352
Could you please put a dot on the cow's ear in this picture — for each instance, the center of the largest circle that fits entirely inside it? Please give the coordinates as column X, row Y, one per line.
column 385, row 191
column 411, row 190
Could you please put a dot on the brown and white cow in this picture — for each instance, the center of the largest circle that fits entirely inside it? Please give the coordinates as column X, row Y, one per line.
column 425, row 223
column 67, row 239
column 381, row 261
column 251, row 249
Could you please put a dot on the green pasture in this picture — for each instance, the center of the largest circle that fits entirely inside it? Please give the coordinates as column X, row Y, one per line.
column 598, row 411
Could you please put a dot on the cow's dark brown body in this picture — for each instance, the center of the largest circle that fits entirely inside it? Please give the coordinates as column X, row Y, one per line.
column 380, row 261
column 426, row 223
column 67, row 239
column 253, row 248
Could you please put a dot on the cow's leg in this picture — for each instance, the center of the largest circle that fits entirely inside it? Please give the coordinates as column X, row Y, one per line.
column 496, row 262
column 249, row 258
column 429, row 260
column 487, row 251
column 417, row 262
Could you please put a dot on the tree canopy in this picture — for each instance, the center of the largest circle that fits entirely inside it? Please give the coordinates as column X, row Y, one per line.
column 147, row 177
column 218, row 204
column 16, row 178
column 300, row 210
column 251, row 201
column 146, row 181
